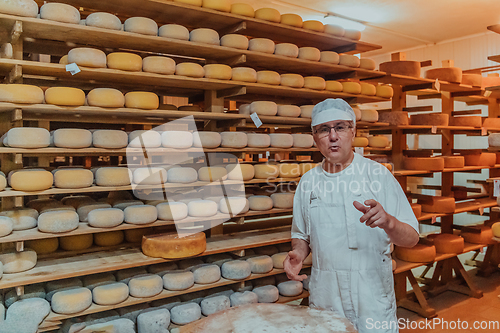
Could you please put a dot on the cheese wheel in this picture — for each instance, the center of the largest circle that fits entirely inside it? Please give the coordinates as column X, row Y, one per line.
column 434, row 119
column 305, row 167
column 278, row 259
column 233, row 205
column 258, row 140
column 174, row 31
column 242, row 9
column 293, row 20
column 124, row 61
column 424, row 163
column 220, row 5
column 76, row 200
column 287, row 50
column 26, row 8
column 368, row 89
column 281, row 140
column 282, row 200
column 76, row 242
column 418, row 253
column 268, row 14
column 150, row 176
column 178, row 280
column 144, row 139
column 244, row 74
column 106, row 97
column 329, row 57
column 206, row 139
column 491, row 123
column 334, row 86
column 263, row 45
column 475, row 80
column 349, row 60
column 447, row 243
column 72, row 138
column 105, row 217
column 233, row 139
column 267, row 294
column 351, row 87
column 31, row 180
column 145, row 286
column 110, row 294
column 122, row 204
column 260, row 264
column 450, row 74
column 113, row 176
column 290, row 288
column 260, row 202
column 87, row 57
column 235, row 41
column 394, row 118
column 189, row 69
column 103, row 20
column 309, row 53
column 454, row 161
column 206, row 274
column 313, row 25
column 352, row 34
column 185, row 313
column 28, row 137
column 22, row 218
column 335, row 30
column 314, row 82
column 58, row 221
column 401, row 67
column 16, row 262
column 71, row 301
column 436, row 204
column 202, row 208
column 264, row 108
column 110, row 238
column 266, row 171
column 244, row 109
column 204, row 36
column 6, row 225
column 73, row 178
column 236, row 270
column 140, row 214
column 292, row 80
column 182, row 175
column 142, row 100
column 240, row 171
column 474, row 121
column 495, row 228
column 64, row 60
column 65, row 96
column 494, row 140
column 214, row 304
column 268, row 77
column 302, row 140
column 84, row 209
column 109, row 139
column 171, row 246
column 218, row 71
column 60, row 12
column 384, row 91
column 177, row 139
column 242, row 298
column 54, row 286
column 288, row 110
column 21, row 93
column 289, row 170
column 482, row 159
column 141, row 25
column 378, row 141
column 366, row 63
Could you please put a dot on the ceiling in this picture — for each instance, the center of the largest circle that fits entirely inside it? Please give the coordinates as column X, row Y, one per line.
column 400, row 24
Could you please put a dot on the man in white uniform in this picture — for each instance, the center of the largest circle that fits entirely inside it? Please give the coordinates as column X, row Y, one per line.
column 347, row 211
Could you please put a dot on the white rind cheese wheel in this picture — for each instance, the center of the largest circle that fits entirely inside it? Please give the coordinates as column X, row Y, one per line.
column 313, row 25
column 435, row 119
column 6, row 226
column 106, row 97
column 26, row 8
column 172, row 211
column 242, row 298
column 233, row 205
column 329, row 57
column 260, row 264
column 335, row 30
column 302, row 140
column 292, row 80
column 233, row 139
column 71, row 301
column 144, row 139
column 240, row 171
column 394, row 118
column 368, row 89
column 150, row 176
column 17, row 262
column 76, row 242
column 204, row 36
column 494, row 140
column 258, row 140
column 206, row 139
column 58, row 221
column 105, row 217
column 60, row 12
column 206, row 274
column 202, row 208
column 385, row 91
column 290, row 288
column 124, row 61
column 309, row 53
column 244, row 74
column 281, row 140
column 278, row 259
column 282, row 200
column 28, row 137
column 178, row 280
column 378, row 141
column 369, row 115
column 287, row 50
column 268, row 77
column 244, row 109
column 87, row 57
column 267, row 294
column 31, row 180
column 314, row 82
column 103, row 20
column 145, row 286
column 21, row 93
column 334, row 86
column 141, row 25
column 110, row 139
column 351, row 87
column 190, row 69
column 142, row 100
column 235, row 41
column 236, row 270
column 242, row 9
column 288, row 110
column 263, row 45
column 220, row 5
column 260, row 202
column 268, row 14
column 185, row 313
column 349, row 60
column 218, row 71
column 424, row 163
column 174, row 31
column 22, row 218
column 65, row 96
column 211, row 174
column 182, row 175
column 110, row 294
column 177, row 139
column 73, row 178
column 293, row 20
column 113, row 176
column 264, row 108
column 72, row 138
column 211, row 305
column 352, row 34
column 366, row 63
column 265, row 171
column 289, row 170
column 360, row 141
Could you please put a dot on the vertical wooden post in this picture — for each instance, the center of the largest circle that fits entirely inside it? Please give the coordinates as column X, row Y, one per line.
column 398, row 137
column 447, row 144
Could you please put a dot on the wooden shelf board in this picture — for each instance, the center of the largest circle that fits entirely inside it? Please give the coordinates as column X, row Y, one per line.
column 86, row 264
column 463, row 207
column 494, row 28
column 423, row 172
column 495, row 58
column 422, row 129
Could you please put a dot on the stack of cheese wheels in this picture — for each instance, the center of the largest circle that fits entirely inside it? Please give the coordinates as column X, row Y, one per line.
column 449, row 74
column 474, row 121
column 481, row 159
column 481, row 235
column 424, row 163
column 447, row 243
column 434, row 119
column 394, row 118
column 171, row 246
column 402, row 67
column 418, row 253
column 434, row 204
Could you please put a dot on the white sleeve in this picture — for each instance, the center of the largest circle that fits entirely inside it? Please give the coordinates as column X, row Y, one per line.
column 299, row 229
column 398, row 205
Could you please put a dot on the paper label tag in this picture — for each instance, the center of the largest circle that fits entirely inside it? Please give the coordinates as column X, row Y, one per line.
column 437, row 85
column 434, row 129
column 496, row 188
column 72, row 68
column 256, row 120
column 488, row 93
column 359, row 150
column 433, row 219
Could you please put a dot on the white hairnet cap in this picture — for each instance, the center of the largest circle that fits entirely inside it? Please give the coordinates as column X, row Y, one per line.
column 332, row 109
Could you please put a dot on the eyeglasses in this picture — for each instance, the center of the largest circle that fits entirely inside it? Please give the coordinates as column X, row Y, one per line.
column 325, row 131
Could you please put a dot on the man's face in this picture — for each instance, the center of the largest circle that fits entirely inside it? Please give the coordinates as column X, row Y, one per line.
column 334, row 140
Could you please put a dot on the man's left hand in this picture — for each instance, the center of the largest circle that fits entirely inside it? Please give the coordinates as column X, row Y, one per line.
column 374, row 214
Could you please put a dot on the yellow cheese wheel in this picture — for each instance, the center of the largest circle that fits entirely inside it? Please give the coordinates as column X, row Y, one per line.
column 394, row 118
column 491, row 123
column 64, row 60
column 369, row 115
column 212, row 174
column 447, row 243
column 218, row 71
column 235, row 41
column 76, row 242
column 266, row 171
column 306, row 111
column 171, row 246
column 220, row 5
column 174, row 31
column 288, row 110
column 438, row 204
column 360, row 141
column 204, row 36
column 367, row 63
column 264, row 45
column 434, row 119
column 335, row 30
column 384, row 91
column 313, row 25
column 189, row 69
column 293, row 20
column 87, row 57
column 110, row 238
column 496, row 229
column 73, row 178
column 352, row 34
column 351, row 87
column 21, row 93
column 60, row 12
column 142, row 100
column 65, row 96
column 454, row 161
column 484, row 236
column 287, row 50
column 28, row 8
column 314, row 82
column 418, row 253
column 141, row 25
column 309, row 53
column 424, row 163
column 368, row 89
column 292, row 80
column 378, row 141
column 113, row 176
column 305, row 167
column 289, row 170
column 268, row 77
column 482, row 159
column 31, row 180
column 349, row 60
column 242, row 9
column 103, row 20
column 334, row 86
column 43, row 246
column 197, row 3
column 329, row 57
column 159, row 65
column 245, row 74
column 265, row 108
column 124, row 61
column 106, row 97
column 268, row 14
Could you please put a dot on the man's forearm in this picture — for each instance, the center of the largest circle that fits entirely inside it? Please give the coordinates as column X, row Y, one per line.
column 401, row 234
column 301, row 247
